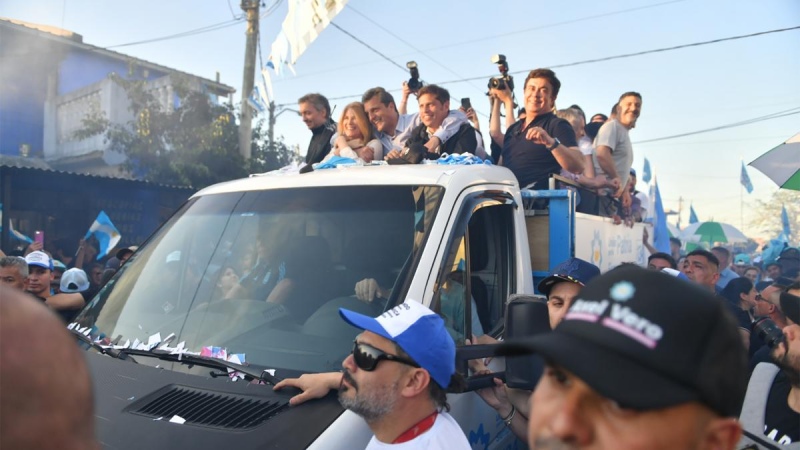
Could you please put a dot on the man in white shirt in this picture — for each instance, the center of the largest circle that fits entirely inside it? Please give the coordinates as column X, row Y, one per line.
column 396, row 379
column 394, row 129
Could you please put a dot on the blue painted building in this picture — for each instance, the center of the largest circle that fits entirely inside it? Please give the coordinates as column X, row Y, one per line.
column 50, row 79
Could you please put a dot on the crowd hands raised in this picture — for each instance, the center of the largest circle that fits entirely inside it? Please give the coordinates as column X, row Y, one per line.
column 535, row 142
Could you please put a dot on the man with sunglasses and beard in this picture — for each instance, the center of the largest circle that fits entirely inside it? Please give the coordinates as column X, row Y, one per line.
column 396, row 379
column 771, row 411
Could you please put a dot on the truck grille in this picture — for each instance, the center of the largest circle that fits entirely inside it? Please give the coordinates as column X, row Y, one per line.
column 207, row 408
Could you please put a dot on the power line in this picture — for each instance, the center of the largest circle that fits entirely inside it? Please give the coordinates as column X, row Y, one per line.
column 776, row 115
column 435, row 61
column 205, row 29
column 645, row 52
column 610, row 58
column 368, row 46
column 553, row 25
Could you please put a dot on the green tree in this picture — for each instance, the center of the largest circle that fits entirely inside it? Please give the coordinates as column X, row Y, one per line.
column 193, row 144
column 767, row 217
column 267, row 155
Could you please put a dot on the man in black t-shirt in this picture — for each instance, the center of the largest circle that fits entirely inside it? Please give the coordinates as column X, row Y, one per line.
column 541, row 144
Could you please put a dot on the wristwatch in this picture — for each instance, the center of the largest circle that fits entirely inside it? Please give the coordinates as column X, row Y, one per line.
column 556, row 143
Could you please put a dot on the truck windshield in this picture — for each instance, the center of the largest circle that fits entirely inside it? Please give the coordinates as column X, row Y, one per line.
column 263, row 273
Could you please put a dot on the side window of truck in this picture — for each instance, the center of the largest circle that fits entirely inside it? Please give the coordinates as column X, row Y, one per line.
column 478, row 273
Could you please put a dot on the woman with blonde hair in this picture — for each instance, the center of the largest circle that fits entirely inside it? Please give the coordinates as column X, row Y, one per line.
column 355, row 137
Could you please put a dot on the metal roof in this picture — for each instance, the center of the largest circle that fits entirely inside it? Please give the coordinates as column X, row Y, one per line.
column 75, row 40
column 36, row 164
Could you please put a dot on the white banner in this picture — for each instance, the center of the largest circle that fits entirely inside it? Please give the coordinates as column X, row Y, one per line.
column 606, row 245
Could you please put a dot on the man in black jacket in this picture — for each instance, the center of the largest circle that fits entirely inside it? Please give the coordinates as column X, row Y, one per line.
column 316, row 113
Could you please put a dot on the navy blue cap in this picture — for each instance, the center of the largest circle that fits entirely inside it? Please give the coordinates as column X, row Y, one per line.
column 633, row 172
column 574, row 269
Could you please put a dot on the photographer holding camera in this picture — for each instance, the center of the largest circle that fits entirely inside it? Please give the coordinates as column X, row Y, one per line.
column 542, row 144
column 771, row 412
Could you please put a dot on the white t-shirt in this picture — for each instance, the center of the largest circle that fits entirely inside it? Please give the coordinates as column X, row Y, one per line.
column 445, row 434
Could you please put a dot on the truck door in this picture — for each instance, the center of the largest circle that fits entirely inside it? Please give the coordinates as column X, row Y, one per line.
column 476, row 276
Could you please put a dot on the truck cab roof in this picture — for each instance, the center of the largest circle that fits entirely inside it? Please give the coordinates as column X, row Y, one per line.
column 447, row 176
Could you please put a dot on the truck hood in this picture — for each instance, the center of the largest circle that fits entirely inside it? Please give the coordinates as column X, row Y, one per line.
column 134, row 404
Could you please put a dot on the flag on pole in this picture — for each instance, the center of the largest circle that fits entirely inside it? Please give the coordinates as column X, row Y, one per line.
column 692, row 215
column 256, row 100
column 646, row 174
column 660, row 231
column 745, row 180
column 787, row 230
column 105, row 232
column 304, row 21
column 18, row 235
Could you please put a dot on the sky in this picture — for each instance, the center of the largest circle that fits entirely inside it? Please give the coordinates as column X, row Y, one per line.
column 683, row 90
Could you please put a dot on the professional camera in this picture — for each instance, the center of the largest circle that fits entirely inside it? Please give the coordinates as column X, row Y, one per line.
column 414, row 83
column 768, row 332
column 504, row 79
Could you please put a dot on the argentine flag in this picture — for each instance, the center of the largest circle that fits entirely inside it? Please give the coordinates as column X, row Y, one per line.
column 105, row 232
column 18, row 235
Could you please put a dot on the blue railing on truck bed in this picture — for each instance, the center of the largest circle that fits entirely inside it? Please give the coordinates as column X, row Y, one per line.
column 561, row 213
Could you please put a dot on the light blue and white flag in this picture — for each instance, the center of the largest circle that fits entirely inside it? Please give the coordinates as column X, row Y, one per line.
column 660, row 231
column 18, row 235
column 692, row 215
column 646, row 173
column 787, row 229
column 105, row 232
column 745, row 180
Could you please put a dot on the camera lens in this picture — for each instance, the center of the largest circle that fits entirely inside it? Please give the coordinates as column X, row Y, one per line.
column 768, row 332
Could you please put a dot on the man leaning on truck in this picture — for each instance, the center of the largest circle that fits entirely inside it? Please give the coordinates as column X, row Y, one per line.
column 396, row 379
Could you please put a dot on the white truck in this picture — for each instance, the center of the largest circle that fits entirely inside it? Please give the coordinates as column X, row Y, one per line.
column 243, row 284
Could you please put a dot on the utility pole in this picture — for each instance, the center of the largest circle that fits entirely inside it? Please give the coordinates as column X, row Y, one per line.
column 271, row 125
column 250, row 7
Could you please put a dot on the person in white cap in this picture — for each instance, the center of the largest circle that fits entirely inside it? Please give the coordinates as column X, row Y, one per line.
column 396, row 379
column 40, row 274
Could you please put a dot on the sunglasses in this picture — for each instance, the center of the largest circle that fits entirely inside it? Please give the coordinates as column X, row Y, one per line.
column 367, row 357
column 759, row 298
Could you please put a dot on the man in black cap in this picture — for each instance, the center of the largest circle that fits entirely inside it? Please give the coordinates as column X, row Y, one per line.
column 641, row 360
column 561, row 288
column 771, row 412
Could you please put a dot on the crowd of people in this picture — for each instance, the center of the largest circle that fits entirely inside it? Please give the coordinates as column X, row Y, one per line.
column 539, row 140
column 664, row 366
column 700, row 350
column 65, row 284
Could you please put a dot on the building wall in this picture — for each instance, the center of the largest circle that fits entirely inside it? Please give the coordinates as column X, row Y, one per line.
column 64, row 205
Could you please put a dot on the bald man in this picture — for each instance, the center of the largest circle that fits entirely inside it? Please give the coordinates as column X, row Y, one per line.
column 45, row 386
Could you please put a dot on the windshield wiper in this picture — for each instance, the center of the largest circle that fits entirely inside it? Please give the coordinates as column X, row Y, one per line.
column 114, row 353
column 214, row 363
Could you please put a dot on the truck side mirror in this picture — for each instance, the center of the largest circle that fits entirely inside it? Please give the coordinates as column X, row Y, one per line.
column 526, row 316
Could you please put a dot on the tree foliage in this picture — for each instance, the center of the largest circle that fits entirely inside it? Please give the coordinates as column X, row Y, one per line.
column 267, row 155
column 192, row 143
column 767, row 218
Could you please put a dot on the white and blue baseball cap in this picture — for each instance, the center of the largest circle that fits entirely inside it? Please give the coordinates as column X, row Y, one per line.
column 419, row 331
column 39, row 259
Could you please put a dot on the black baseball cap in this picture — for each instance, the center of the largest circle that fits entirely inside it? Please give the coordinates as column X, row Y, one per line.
column 648, row 341
column 575, row 270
